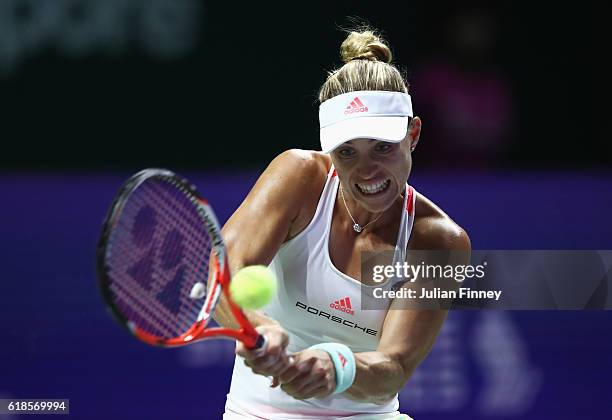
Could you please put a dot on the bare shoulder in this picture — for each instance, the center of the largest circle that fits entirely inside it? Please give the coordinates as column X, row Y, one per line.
column 304, row 162
column 304, row 173
column 278, row 202
column 435, row 230
column 301, row 172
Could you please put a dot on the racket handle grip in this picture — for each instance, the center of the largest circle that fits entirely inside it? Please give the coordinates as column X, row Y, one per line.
column 260, row 345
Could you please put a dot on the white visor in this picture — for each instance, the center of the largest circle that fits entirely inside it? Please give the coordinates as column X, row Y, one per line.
column 378, row 115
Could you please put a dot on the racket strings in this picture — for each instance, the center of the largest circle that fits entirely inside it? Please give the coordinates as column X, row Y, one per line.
column 157, row 252
column 171, row 250
column 169, row 296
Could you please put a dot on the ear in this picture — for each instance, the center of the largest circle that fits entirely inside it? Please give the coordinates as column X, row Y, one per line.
column 414, row 131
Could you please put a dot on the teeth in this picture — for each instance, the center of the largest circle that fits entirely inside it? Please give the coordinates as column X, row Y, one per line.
column 373, row 188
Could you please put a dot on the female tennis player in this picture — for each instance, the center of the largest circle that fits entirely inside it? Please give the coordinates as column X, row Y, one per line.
column 309, row 217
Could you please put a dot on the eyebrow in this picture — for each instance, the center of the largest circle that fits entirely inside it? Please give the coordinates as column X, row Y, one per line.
column 351, row 141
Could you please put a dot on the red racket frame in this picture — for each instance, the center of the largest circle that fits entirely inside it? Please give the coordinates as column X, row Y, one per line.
column 199, row 331
column 220, row 279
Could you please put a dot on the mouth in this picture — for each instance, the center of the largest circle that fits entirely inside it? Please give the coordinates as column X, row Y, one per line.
column 374, row 189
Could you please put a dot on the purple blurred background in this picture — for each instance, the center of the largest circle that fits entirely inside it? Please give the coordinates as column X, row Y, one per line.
column 513, row 149
column 60, row 343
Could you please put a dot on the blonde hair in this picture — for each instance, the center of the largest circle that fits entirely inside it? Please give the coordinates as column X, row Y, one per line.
column 367, row 66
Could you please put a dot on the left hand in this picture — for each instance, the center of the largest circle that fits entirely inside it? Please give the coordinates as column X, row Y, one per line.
column 274, row 359
column 311, row 375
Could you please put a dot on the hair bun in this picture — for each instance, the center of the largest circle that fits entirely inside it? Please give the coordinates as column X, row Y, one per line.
column 364, row 45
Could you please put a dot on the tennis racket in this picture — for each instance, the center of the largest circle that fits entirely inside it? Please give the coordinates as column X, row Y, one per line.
column 162, row 265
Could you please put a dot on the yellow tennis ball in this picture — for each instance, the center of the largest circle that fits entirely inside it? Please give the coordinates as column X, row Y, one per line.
column 253, row 286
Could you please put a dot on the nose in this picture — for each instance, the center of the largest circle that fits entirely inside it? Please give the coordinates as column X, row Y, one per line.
column 367, row 169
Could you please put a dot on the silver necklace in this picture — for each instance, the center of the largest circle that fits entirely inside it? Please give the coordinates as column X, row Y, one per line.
column 356, row 226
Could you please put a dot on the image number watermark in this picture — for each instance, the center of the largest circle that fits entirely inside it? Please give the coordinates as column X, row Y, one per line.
column 18, row 406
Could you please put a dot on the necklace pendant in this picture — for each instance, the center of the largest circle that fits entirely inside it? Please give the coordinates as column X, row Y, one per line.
column 357, row 228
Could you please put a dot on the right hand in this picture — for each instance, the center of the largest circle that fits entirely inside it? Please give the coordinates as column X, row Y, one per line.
column 273, row 360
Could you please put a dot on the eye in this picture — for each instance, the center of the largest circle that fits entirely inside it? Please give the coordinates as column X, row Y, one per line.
column 345, row 152
column 383, row 147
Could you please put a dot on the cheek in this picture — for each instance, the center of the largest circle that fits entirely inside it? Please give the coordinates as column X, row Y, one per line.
column 342, row 164
column 334, row 160
column 402, row 168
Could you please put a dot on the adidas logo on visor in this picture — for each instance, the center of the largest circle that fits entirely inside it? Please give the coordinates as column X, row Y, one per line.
column 355, row 106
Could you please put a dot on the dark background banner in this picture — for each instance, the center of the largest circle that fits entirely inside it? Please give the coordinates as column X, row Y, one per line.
column 513, row 149
column 130, row 83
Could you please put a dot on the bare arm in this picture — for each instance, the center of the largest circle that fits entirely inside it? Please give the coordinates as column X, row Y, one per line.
column 407, row 338
column 408, row 334
column 255, row 232
column 267, row 217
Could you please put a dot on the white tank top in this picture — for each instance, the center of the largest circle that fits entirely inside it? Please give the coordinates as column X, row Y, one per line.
column 317, row 303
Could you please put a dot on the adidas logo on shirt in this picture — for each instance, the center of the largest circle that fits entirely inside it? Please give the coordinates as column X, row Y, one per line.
column 343, row 305
column 355, row 106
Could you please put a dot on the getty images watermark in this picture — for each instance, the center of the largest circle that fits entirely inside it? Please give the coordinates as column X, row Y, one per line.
column 406, row 272
column 488, row 279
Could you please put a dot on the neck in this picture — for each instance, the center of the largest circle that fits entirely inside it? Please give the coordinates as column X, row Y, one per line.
column 362, row 216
